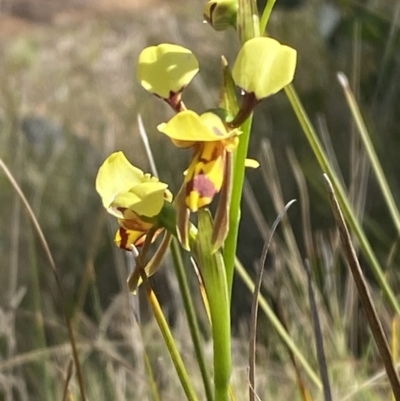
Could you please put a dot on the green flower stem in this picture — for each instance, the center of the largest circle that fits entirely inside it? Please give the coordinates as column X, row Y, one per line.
column 376, row 166
column 248, row 25
column 348, row 211
column 229, row 252
column 213, row 272
column 170, row 343
column 265, row 15
column 278, row 325
column 191, row 316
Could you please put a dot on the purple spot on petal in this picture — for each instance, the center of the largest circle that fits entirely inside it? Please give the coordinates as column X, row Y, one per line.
column 201, row 184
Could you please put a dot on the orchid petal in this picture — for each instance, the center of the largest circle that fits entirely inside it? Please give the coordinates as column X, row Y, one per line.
column 116, row 175
column 264, row 67
column 189, row 127
column 123, row 186
column 205, row 176
column 166, row 69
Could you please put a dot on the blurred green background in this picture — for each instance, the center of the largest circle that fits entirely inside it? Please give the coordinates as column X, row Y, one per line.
column 69, row 97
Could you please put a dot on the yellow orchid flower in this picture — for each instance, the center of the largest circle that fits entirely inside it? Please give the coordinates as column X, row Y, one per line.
column 211, row 141
column 135, row 198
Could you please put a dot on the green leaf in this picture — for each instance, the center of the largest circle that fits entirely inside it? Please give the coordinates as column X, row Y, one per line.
column 264, row 67
column 166, row 69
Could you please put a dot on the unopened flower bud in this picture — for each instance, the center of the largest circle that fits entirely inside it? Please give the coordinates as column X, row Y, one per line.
column 221, row 14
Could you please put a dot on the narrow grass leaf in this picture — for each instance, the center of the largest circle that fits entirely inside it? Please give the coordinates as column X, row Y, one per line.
column 375, row 163
column 348, row 211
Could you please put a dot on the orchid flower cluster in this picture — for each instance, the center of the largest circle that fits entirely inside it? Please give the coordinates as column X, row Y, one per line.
column 141, row 203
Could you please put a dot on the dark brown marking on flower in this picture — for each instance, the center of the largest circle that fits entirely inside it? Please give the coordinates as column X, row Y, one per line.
column 175, row 100
column 217, row 152
column 124, row 239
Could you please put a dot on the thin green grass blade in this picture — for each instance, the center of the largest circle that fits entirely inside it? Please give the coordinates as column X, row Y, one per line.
column 344, row 203
column 373, row 157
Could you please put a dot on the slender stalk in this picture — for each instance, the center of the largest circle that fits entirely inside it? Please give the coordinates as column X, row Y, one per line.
column 341, row 195
column 265, row 15
column 229, row 252
column 170, row 343
column 191, row 316
column 247, row 27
